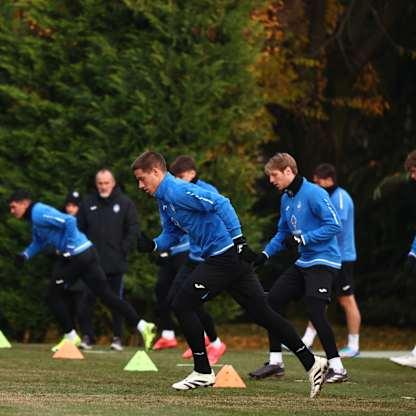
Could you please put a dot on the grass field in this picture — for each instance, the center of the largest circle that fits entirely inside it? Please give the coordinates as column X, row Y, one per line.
column 32, row 383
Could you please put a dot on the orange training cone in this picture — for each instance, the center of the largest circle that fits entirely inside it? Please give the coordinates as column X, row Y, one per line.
column 228, row 377
column 68, row 351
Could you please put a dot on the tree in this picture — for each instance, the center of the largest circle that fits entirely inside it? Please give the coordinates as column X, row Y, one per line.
column 88, row 83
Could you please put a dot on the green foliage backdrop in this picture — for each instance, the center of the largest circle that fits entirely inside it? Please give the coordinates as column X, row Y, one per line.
column 87, row 83
column 92, row 83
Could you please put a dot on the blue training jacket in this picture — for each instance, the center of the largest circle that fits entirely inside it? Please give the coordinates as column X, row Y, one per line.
column 344, row 205
column 310, row 215
column 186, row 208
column 185, row 244
column 412, row 251
column 181, row 246
column 194, row 249
column 51, row 227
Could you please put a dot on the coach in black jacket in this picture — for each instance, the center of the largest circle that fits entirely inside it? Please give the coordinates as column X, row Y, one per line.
column 109, row 219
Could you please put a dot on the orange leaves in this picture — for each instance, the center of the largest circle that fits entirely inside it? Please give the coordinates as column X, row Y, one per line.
column 373, row 106
column 368, row 79
column 333, row 13
column 37, row 30
column 305, row 82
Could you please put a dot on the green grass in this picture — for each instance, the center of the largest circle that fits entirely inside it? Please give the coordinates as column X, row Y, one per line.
column 32, row 383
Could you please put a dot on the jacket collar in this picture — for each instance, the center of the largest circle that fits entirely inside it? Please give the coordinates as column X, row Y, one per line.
column 28, row 214
column 164, row 185
column 294, row 186
column 331, row 189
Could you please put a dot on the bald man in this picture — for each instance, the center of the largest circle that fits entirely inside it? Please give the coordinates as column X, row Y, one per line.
column 109, row 219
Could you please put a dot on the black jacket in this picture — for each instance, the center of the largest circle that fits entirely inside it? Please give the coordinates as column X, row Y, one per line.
column 112, row 225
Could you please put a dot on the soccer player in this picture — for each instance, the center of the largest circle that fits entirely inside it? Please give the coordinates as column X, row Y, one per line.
column 409, row 360
column 184, row 167
column 325, row 176
column 77, row 259
column 308, row 221
column 211, row 222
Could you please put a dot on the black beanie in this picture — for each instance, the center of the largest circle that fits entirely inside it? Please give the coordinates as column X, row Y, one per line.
column 73, row 197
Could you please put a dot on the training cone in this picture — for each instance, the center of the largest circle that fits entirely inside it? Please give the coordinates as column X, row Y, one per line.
column 228, row 377
column 140, row 362
column 68, row 351
column 3, row 341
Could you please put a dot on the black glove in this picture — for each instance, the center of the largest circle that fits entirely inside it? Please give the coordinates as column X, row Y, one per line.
column 145, row 244
column 19, row 260
column 410, row 265
column 292, row 241
column 243, row 250
column 260, row 259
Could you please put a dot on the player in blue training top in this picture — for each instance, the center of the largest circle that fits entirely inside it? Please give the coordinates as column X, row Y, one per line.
column 409, row 360
column 212, row 224
column 308, row 221
column 325, row 175
column 77, row 258
column 184, row 167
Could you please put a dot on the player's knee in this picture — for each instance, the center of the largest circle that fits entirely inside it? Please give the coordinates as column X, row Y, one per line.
column 178, row 306
column 159, row 290
column 316, row 307
column 346, row 301
column 275, row 303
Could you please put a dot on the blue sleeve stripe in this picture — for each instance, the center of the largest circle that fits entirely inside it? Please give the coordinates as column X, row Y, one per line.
column 50, row 217
column 200, row 197
column 317, row 261
column 83, row 247
column 334, row 214
column 341, row 201
column 222, row 250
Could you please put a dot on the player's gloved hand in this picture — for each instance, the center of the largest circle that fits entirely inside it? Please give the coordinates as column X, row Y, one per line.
column 260, row 259
column 243, row 250
column 292, row 241
column 410, row 265
column 145, row 244
column 19, row 260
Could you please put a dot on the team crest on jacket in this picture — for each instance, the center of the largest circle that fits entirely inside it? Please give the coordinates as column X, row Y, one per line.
column 293, row 221
column 116, row 208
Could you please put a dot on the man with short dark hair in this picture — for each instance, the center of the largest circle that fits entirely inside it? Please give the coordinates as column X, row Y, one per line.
column 309, row 223
column 77, row 259
column 212, row 223
column 325, row 176
column 108, row 217
column 184, row 167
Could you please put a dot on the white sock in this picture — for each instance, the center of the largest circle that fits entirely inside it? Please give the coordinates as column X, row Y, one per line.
column 216, row 343
column 336, row 364
column 168, row 334
column 71, row 335
column 414, row 351
column 141, row 325
column 275, row 358
column 309, row 336
column 354, row 341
